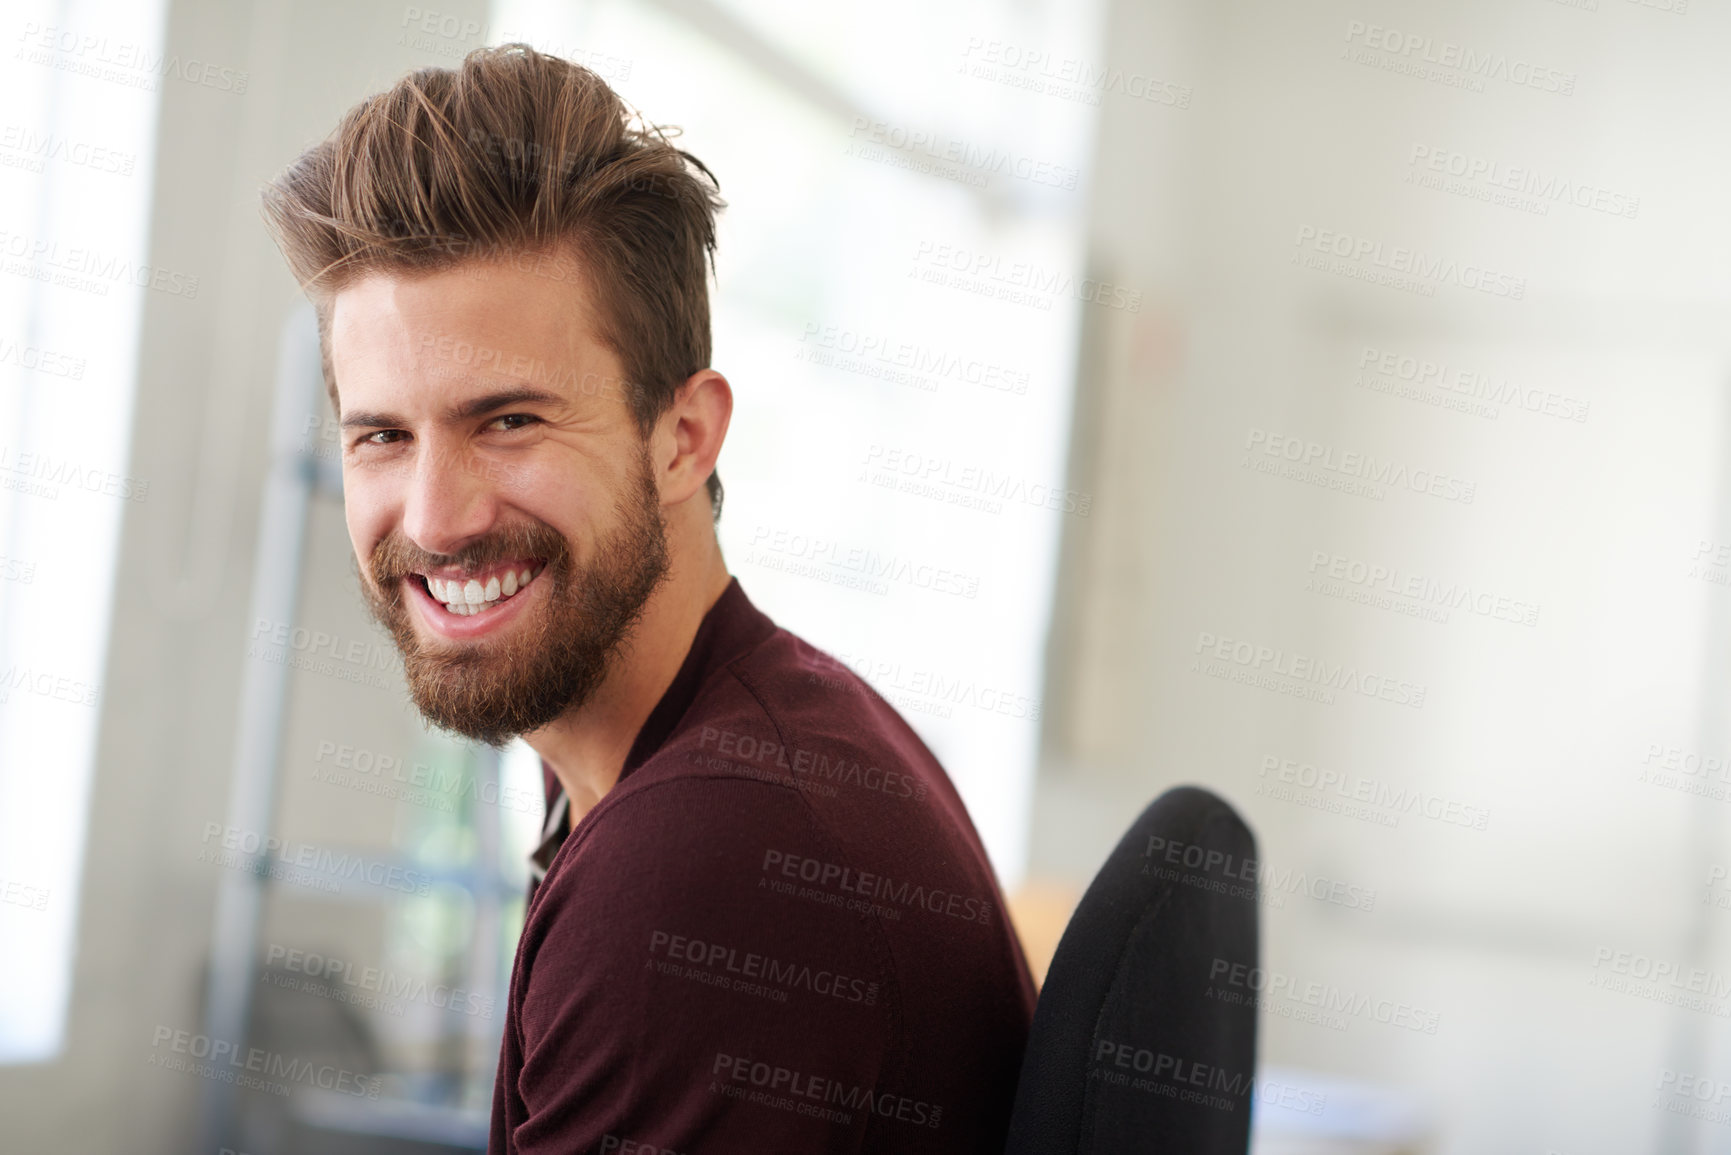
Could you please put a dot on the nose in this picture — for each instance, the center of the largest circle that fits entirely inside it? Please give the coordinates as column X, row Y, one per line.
column 449, row 500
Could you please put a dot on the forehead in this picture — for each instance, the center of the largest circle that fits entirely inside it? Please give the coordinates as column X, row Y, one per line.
column 523, row 318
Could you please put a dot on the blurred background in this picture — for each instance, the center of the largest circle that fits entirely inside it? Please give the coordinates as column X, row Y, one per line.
column 1323, row 402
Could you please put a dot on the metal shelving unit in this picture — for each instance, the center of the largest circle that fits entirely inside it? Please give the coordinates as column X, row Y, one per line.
column 296, row 478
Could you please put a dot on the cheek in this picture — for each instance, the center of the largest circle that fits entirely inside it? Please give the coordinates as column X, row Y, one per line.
column 366, row 513
column 549, row 468
column 573, row 486
column 549, row 490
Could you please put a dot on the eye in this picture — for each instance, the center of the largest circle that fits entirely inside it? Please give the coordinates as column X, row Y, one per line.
column 514, row 421
column 380, row 437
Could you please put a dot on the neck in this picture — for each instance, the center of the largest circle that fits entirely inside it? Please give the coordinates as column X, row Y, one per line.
column 586, row 748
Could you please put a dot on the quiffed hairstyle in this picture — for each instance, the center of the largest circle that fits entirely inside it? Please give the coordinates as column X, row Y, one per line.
column 515, row 154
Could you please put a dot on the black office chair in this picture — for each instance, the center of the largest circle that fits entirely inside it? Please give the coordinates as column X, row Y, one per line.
column 1144, row 1038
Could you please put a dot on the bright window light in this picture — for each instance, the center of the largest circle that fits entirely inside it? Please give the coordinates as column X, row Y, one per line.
column 898, row 312
column 76, row 134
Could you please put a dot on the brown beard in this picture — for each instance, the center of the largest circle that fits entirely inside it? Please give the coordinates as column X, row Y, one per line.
column 549, row 663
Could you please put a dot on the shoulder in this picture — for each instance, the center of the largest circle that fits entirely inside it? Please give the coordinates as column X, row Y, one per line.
column 789, row 677
column 791, row 713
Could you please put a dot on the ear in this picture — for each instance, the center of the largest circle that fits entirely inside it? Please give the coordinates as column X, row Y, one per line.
column 689, row 435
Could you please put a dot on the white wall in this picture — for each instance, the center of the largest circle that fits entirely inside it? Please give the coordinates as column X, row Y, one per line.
column 1544, row 728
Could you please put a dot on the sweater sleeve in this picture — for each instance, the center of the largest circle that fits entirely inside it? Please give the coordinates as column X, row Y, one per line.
column 683, row 991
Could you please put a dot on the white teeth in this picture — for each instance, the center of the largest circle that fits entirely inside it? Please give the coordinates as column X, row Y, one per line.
column 471, row 597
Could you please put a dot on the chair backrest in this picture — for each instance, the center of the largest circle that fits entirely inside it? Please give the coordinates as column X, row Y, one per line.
column 1144, row 1038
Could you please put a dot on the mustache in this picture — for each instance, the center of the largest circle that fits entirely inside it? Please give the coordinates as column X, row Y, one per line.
column 396, row 557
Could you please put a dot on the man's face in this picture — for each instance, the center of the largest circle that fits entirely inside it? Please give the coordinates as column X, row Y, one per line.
column 504, row 511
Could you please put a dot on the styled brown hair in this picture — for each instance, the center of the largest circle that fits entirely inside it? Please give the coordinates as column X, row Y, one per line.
column 515, row 154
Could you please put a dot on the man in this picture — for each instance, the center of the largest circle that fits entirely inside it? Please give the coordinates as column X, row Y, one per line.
column 763, row 920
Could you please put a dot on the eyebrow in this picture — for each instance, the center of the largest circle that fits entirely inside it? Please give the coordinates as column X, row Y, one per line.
column 473, row 407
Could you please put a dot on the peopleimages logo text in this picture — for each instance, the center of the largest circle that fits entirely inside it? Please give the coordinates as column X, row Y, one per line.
column 849, row 880
column 1361, row 467
column 1375, row 579
column 378, row 980
column 108, row 59
column 318, row 859
column 1523, row 179
column 1271, row 660
column 223, row 1060
column 1208, row 867
column 1416, row 263
column 1473, row 62
column 1024, row 275
column 786, row 1088
column 1470, row 383
column 1270, row 988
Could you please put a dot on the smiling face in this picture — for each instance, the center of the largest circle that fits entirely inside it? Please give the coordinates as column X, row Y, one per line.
column 503, row 507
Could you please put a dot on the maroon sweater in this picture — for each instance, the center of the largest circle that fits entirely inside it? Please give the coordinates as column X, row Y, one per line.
column 779, row 933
